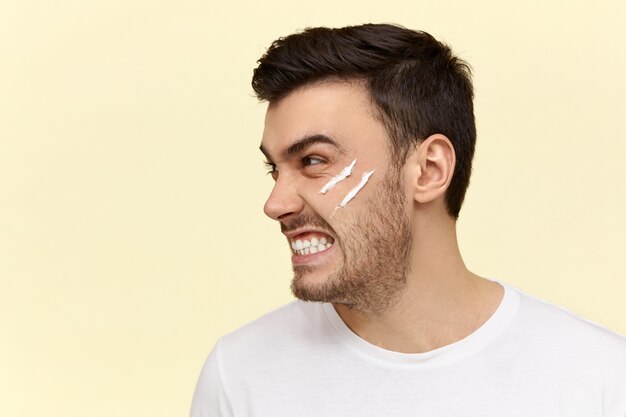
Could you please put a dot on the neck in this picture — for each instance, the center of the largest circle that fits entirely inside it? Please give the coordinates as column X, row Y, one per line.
column 442, row 302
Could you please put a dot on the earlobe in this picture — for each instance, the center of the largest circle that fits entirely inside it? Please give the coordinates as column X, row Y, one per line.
column 435, row 158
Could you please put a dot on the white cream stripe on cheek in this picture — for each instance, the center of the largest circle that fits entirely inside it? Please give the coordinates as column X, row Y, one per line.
column 366, row 176
column 345, row 173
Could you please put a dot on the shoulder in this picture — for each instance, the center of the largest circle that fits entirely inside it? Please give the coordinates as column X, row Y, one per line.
column 273, row 338
column 549, row 317
column 555, row 330
column 578, row 350
column 290, row 321
column 268, row 351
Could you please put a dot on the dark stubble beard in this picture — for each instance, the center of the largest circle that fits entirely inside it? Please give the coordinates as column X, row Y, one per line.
column 376, row 244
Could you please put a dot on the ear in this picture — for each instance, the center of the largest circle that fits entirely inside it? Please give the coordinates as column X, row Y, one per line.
column 435, row 159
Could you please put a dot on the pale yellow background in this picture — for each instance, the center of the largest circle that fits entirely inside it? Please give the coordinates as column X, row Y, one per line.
column 131, row 186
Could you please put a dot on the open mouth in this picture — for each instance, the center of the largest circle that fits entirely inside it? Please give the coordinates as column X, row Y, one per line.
column 310, row 243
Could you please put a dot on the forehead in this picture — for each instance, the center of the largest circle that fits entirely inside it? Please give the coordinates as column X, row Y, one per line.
column 340, row 110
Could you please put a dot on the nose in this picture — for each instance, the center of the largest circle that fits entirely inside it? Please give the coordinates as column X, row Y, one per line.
column 284, row 200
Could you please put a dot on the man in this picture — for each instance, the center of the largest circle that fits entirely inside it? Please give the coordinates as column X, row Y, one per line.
column 369, row 136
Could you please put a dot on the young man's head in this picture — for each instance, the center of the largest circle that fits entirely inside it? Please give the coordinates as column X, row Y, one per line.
column 418, row 87
column 365, row 126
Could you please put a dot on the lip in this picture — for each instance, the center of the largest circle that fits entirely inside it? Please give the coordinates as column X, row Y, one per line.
column 293, row 234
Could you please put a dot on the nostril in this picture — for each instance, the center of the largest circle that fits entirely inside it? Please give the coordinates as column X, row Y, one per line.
column 283, row 217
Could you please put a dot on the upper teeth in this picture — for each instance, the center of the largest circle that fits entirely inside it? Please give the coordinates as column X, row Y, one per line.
column 305, row 247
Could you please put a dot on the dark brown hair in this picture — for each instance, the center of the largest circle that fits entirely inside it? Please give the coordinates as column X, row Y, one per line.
column 418, row 86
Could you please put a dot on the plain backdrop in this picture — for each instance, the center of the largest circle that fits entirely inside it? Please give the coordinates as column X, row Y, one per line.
column 131, row 184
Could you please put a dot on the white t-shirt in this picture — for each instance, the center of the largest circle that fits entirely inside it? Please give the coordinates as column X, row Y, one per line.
column 530, row 359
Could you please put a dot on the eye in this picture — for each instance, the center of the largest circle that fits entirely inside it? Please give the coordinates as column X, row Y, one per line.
column 312, row 160
column 271, row 168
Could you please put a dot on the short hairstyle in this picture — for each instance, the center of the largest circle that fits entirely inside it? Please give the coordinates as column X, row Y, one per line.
column 417, row 85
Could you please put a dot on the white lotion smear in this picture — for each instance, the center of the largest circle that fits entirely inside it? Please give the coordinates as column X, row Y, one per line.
column 366, row 176
column 345, row 173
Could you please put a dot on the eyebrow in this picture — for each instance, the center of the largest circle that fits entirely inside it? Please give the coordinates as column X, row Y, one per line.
column 301, row 144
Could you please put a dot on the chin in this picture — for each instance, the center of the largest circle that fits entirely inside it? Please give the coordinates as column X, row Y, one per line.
column 310, row 284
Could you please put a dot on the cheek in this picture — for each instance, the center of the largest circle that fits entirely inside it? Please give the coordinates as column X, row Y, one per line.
column 321, row 204
column 332, row 182
column 361, row 193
